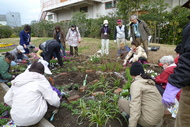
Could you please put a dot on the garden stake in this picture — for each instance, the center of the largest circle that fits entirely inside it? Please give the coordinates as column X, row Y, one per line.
column 54, row 112
column 84, row 82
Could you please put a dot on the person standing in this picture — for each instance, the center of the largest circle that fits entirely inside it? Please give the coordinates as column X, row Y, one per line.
column 120, row 34
column 140, row 32
column 59, row 35
column 180, row 79
column 73, row 39
column 25, row 39
column 145, row 106
column 47, row 48
column 105, row 34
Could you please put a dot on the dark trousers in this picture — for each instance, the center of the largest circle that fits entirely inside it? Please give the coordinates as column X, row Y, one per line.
column 76, row 50
column 160, row 88
column 53, row 47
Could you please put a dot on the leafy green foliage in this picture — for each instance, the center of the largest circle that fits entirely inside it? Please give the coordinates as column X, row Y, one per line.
column 3, row 108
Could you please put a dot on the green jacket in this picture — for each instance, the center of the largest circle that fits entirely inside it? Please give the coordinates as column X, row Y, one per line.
column 4, row 69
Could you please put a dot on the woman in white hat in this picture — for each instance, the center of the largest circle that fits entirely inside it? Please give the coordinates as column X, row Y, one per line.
column 105, row 34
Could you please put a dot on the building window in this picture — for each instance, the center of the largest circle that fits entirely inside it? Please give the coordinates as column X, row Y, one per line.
column 50, row 17
column 84, row 9
column 110, row 4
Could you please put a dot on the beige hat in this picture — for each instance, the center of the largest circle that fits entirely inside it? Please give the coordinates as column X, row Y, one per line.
column 105, row 21
column 19, row 47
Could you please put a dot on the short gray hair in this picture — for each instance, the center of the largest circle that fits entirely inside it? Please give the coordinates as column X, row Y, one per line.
column 167, row 59
column 133, row 17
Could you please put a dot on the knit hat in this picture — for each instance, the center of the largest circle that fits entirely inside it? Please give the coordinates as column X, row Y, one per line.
column 178, row 48
column 105, row 21
column 136, row 69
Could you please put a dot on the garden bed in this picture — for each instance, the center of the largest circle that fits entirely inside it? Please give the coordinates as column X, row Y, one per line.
column 97, row 104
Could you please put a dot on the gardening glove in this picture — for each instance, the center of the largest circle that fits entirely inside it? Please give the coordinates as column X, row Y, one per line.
column 149, row 37
column 125, row 61
column 41, row 58
column 24, row 61
column 169, row 95
column 130, row 60
column 114, row 41
column 56, row 90
column 13, row 63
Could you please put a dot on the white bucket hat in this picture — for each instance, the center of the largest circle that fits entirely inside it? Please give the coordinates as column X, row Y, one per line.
column 105, row 21
column 45, row 64
column 19, row 47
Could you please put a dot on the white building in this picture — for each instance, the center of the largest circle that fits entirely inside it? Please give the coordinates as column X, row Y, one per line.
column 62, row 10
column 13, row 19
column 3, row 20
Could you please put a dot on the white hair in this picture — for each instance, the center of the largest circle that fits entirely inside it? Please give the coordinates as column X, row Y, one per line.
column 133, row 17
column 167, row 60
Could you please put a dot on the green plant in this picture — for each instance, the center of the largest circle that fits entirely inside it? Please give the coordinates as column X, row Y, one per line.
column 94, row 59
column 3, row 108
column 118, row 67
column 116, row 82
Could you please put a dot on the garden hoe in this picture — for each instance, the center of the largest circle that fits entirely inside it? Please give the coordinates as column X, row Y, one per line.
column 54, row 112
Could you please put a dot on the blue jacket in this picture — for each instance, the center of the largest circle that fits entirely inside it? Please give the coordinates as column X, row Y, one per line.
column 24, row 38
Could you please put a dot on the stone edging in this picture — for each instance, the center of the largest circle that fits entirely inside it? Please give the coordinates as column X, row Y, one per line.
column 42, row 123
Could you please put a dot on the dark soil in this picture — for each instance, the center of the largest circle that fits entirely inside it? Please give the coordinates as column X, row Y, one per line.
column 64, row 117
column 66, row 77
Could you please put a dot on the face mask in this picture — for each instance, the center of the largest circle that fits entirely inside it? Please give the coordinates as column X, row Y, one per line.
column 106, row 25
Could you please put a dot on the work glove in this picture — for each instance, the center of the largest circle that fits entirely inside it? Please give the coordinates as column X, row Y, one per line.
column 124, row 63
column 130, row 60
column 41, row 58
column 149, row 37
column 169, row 95
column 13, row 63
column 114, row 41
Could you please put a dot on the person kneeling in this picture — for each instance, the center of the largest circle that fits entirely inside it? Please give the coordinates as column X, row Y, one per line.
column 137, row 53
column 29, row 94
column 145, row 107
column 122, row 51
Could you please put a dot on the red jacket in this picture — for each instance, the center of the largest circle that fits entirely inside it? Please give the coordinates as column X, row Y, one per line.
column 176, row 60
column 163, row 78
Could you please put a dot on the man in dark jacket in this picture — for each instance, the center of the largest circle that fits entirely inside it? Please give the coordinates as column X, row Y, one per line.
column 140, row 32
column 180, row 79
column 48, row 48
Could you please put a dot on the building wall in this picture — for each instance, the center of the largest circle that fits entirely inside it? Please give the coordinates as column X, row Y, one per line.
column 96, row 9
column 3, row 23
column 13, row 19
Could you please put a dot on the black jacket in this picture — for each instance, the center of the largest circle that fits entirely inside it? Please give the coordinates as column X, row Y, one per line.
column 181, row 76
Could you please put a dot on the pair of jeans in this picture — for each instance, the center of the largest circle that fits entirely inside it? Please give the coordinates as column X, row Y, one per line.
column 63, row 49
